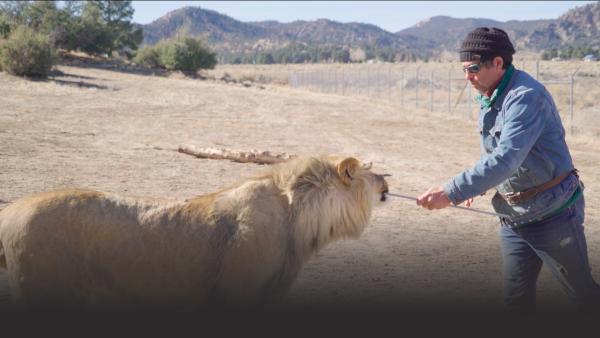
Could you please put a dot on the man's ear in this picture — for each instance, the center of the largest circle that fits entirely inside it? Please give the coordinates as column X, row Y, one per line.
column 498, row 62
column 347, row 169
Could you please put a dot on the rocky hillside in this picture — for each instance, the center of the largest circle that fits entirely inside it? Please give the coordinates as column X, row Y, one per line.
column 447, row 32
column 431, row 37
column 578, row 27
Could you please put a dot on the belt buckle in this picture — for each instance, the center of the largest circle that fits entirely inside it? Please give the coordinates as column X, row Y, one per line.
column 513, row 197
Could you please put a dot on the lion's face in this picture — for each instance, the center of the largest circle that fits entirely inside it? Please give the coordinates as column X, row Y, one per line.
column 351, row 170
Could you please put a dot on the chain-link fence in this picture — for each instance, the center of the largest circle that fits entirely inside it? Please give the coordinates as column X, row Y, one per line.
column 442, row 87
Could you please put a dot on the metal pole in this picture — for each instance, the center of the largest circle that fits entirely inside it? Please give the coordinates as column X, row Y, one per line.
column 343, row 80
column 335, row 80
column 377, row 81
column 402, row 88
column 452, row 205
column 450, row 89
column 389, row 82
column 431, row 93
column 469, row 99
column 417, row 89
column 368, row 81
column 572, row 98
column 571, row 102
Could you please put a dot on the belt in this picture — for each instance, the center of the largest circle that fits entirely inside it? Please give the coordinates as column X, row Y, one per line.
column 518, row 197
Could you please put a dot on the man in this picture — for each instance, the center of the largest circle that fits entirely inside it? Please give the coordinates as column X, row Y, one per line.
column 525, row 157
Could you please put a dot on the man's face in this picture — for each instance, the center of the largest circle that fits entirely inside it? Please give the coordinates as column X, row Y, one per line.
column 488, row 76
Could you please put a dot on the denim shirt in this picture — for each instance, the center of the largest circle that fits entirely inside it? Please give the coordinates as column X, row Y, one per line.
column 523, row 145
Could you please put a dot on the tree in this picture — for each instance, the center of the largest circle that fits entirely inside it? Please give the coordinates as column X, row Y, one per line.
column 117, row 16
column 266, row 58
column 358, row 55
column 4, row 26
column 92, row 35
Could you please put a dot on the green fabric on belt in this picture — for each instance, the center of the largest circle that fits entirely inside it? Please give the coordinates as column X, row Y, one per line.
column 578, row 192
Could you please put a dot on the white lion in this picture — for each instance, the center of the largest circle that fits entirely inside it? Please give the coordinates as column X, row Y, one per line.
column 241, row 245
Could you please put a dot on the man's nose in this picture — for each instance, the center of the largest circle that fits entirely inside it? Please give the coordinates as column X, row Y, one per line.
column 469, row 76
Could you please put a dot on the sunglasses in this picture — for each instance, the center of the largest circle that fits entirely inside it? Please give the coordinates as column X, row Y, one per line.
column 473, row 68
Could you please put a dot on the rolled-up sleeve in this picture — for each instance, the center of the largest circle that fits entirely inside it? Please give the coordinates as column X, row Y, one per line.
column 523, row 124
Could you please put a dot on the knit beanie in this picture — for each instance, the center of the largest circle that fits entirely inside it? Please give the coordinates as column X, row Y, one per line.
column 484, row 43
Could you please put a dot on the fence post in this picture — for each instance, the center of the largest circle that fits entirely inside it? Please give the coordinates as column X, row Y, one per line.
column 450, row 89
column 469, row 99
column 417, row 88
column 389, row 82
column 431, row 93
column 336, row 81
column 378, row 81
column 368, row 72
column 571, row 98
column 402, row 88
column 537, row 69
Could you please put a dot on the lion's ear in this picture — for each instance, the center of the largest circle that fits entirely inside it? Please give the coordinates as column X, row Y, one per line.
column 347, row 169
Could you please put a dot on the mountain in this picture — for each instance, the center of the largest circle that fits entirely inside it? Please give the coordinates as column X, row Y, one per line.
column 429, row 38
column 447, row 32
column 225, row 34
column 212, row 26
column 579, row 27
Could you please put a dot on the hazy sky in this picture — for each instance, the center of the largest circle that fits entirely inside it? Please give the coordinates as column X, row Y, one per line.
column 389, row 15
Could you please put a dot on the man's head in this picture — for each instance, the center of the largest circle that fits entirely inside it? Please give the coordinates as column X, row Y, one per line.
column 485, row 53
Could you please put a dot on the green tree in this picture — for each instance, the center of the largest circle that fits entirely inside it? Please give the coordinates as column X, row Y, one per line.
column 117, row 16
column 4, row 26
column 91, row 34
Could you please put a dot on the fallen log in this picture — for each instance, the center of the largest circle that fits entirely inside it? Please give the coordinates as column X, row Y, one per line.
column 254, row 156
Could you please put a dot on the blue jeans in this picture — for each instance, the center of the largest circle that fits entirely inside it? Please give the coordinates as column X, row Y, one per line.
column 560, row 243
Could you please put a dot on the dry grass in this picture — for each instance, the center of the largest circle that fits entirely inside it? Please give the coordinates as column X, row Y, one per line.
column 396, row 84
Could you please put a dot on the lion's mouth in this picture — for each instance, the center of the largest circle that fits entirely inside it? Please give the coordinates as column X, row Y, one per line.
column 383, row 197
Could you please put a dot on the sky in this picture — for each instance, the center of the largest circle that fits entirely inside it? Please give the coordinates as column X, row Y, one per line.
column 391, row 16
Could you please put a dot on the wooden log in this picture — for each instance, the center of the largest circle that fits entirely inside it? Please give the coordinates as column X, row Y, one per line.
column 254, row 156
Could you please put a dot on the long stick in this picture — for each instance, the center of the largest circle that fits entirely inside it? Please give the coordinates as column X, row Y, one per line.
column 454, row 206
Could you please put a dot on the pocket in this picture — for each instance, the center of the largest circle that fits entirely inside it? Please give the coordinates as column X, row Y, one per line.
column 496, row 131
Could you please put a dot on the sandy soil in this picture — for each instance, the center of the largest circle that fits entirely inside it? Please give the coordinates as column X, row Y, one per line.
column 119, row 132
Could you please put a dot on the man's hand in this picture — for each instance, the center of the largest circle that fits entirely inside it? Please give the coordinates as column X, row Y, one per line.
column 434, row 198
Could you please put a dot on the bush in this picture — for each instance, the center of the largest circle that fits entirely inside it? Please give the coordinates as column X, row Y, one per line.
column 147, row 57
column 26, row 52
column 187, row 54
column 4, row 27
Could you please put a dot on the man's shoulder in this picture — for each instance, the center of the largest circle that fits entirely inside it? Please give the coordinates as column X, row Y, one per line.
column 524, row 84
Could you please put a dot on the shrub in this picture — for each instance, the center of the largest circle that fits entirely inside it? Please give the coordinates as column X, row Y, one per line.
column 187, row 54
column 26, row 52
column 4, row 27
column 147, row 57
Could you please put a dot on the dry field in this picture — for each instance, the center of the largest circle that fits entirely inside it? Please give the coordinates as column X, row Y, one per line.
column 435, row 86
column 118, row 132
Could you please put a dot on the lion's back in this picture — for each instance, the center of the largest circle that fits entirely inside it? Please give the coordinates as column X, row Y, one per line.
column 111, row 242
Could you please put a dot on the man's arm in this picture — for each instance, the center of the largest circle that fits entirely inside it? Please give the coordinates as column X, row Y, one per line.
column 523, row 125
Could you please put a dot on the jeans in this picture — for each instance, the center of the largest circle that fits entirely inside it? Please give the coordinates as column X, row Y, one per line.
column 559, row 242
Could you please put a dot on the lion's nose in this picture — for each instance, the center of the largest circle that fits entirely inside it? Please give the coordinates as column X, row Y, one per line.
column 383, row 197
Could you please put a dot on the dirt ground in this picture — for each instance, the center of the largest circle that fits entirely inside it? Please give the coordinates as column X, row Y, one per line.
column 118, row 132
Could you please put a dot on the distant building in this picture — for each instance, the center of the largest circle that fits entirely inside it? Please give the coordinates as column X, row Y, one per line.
column 590, row 58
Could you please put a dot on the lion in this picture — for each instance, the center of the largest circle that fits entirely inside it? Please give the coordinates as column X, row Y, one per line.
column 241, row 245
